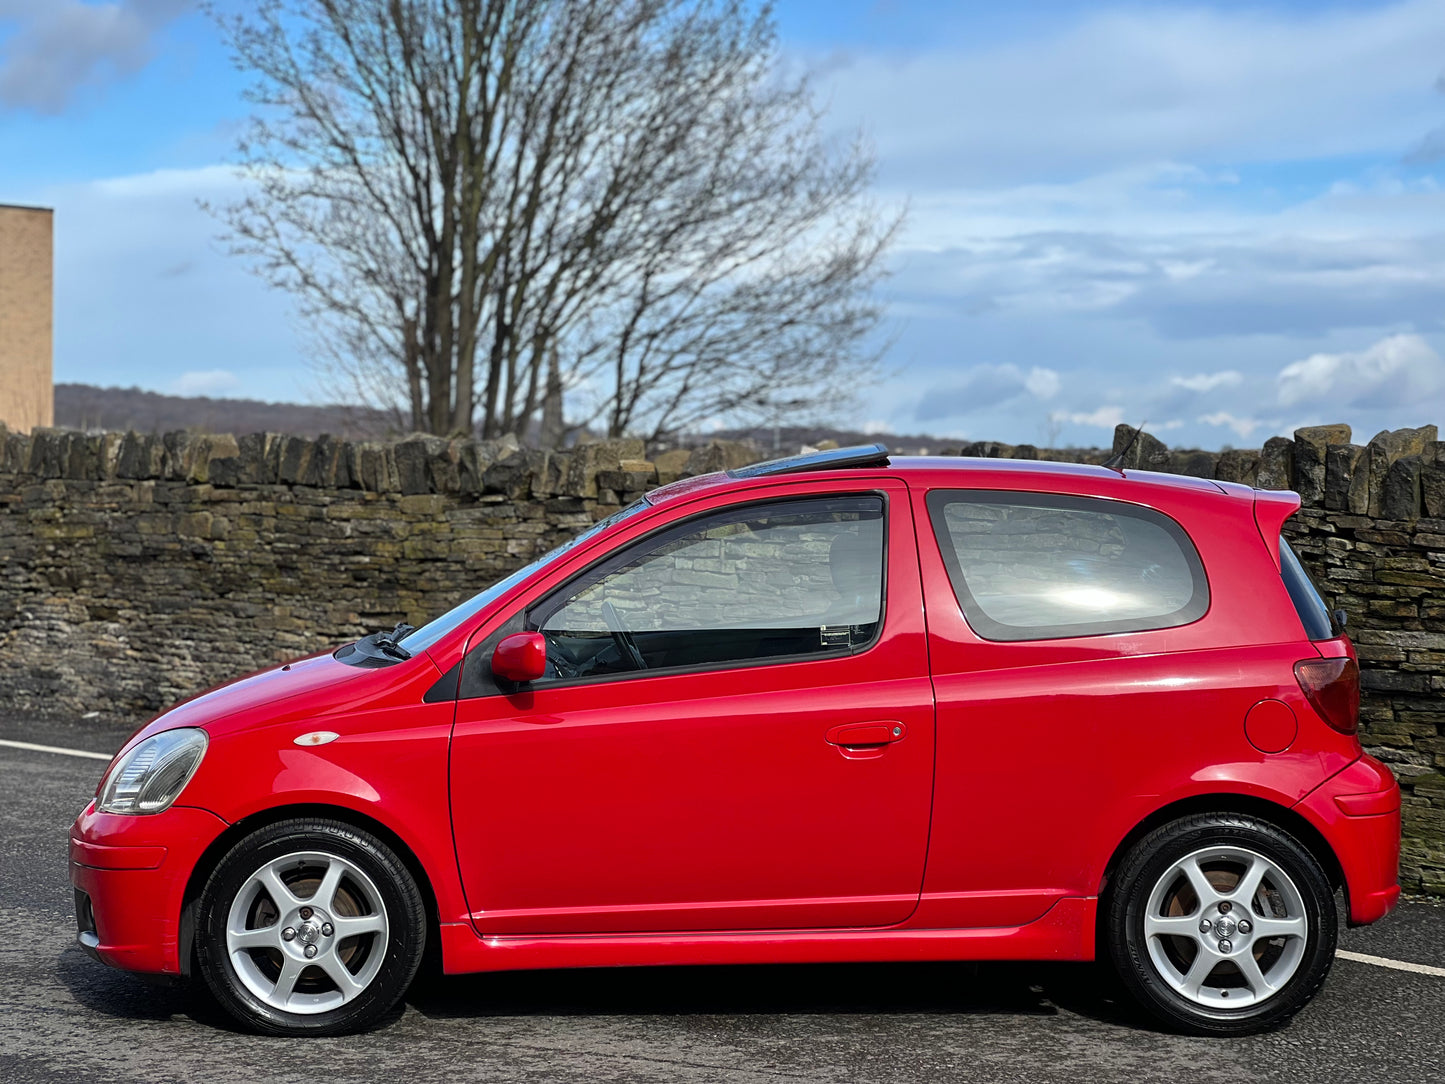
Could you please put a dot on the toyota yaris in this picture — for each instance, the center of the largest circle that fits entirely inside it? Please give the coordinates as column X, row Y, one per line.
column 838, row 707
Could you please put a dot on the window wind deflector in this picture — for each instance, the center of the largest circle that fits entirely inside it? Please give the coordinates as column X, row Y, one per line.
column 860, row 455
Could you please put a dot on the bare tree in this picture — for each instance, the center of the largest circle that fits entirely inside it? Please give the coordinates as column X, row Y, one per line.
column 467, row 194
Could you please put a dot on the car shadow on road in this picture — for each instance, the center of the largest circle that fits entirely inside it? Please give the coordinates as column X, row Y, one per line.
column 874, row 989
column 867, row 989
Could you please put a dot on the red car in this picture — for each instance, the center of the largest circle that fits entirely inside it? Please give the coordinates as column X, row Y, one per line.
column 836, row 707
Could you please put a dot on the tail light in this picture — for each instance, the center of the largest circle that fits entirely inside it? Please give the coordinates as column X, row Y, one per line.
column 1332, row 686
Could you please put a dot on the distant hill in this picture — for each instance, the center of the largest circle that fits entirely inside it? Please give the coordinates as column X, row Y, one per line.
column 84, row 406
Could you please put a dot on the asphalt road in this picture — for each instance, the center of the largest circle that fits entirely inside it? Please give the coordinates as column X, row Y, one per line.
column 64, row 1017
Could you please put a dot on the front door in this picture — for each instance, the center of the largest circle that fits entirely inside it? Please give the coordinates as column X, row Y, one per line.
column 736, row 731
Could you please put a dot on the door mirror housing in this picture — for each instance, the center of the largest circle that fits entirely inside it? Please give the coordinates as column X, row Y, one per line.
column 520, row 658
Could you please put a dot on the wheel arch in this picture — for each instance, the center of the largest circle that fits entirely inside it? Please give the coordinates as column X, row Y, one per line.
column 223, row 843
column 1281, row 816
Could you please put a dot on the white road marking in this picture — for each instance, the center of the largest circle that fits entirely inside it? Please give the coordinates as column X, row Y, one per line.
column 54, row 749
column 1396, row 965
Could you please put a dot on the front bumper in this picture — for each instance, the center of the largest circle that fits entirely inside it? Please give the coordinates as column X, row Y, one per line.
column 1358, row 812
column 130, row 875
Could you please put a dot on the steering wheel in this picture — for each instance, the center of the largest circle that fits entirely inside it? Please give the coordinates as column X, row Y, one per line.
column 621, row 636
column 560, row 659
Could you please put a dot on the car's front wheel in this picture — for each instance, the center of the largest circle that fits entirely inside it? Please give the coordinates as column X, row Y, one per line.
column 1221, row 924
column 310, row 927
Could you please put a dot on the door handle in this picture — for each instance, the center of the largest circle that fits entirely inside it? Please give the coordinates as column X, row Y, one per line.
column 866, row 735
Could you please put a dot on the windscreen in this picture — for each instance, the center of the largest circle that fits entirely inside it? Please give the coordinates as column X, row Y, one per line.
column 423, row 638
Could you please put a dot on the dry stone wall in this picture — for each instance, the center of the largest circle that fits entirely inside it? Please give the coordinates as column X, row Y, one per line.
column 136, row 569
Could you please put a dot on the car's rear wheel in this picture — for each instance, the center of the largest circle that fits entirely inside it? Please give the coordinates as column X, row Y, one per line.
column 310, row 927
column 1221, row 924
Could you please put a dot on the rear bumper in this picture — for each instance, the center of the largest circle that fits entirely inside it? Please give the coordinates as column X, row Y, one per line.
column 130, row 876
column 1358, row 812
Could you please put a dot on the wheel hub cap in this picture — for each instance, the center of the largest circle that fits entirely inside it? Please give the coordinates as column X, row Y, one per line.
column 308, row 933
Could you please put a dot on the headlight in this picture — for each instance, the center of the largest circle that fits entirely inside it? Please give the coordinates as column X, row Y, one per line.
column 152, row 775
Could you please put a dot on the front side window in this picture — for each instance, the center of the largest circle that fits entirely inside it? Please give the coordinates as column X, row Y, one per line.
column 769, row 581
column 1035, row 567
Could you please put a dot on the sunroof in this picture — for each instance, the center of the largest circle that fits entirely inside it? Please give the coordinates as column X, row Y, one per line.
column 861, row 455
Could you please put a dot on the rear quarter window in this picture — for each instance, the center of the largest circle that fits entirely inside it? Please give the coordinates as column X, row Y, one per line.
column 1027, row 566
column 1314, row 615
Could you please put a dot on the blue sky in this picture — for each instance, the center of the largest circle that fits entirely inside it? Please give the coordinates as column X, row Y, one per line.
column 1225, row 218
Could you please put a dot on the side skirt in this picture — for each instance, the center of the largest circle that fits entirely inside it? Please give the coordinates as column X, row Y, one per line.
column 1064, row 932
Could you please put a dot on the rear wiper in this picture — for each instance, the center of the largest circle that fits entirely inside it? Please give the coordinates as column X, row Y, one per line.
column 387, row 641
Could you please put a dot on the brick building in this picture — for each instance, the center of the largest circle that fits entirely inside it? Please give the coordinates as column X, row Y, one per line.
column 27, row 397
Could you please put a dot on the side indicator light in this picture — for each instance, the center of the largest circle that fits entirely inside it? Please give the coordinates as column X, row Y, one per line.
column 317, row 737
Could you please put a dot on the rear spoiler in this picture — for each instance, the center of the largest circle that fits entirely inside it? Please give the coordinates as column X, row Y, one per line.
column 1271, row 508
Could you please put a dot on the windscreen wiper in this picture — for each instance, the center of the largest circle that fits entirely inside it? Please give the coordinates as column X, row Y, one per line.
column 387, row 641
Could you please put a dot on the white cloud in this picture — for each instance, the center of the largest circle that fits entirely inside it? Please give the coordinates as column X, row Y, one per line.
column 1042, row 383
column 1401, row 370
column 1204, row 382
column 1144, row 82
column 144, row 294
column 1242, row 426
column 981, row 387
column 56, row 48
column 1105, row 417
column 206, row 382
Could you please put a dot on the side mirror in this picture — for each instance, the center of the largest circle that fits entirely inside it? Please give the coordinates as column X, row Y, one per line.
column 520, row 658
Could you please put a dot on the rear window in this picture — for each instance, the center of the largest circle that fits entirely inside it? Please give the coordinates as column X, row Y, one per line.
column 1314, row 615
column 1034, row 567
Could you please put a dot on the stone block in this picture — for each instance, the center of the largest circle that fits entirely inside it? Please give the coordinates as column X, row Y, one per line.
column 49, row 451
column 1238, row 465
column 548, row 471
column 512, row 477
column 1384, row 449
column 258, row 460
column 1308, row 466
column 414, row 462
column 139, row 458
column 1141, row 450
column 717, row 455
column 1276, row 460
column 376, row 468
column 15, row 453
column 474, row 457
column 209, row 451
column 295, row 460
column 582, row 470
column 1320, row 437
column 988, row 449
column 329, row 464
column 671, row 464
column 1432, row 480
column 1341, row 464
column 1194, row 464
column 1401, row 500
column 107, row 454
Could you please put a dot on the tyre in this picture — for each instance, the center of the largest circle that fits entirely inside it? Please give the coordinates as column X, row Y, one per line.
column 1221, row 924
column 310, row 927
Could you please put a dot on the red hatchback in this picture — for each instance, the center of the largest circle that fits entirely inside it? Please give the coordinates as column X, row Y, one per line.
column 838, row 707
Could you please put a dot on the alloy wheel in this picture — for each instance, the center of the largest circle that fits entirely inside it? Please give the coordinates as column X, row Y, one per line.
column 1226, row 927
column 307, row 932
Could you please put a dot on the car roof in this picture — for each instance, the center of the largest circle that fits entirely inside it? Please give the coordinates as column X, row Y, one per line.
column 874, row 458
